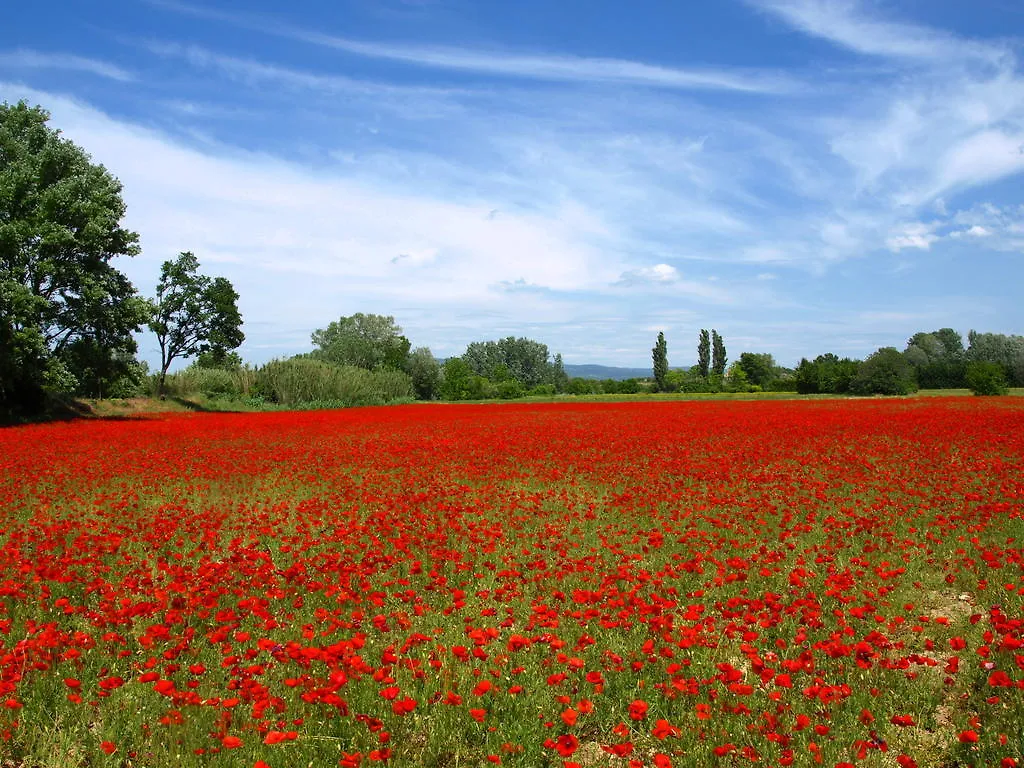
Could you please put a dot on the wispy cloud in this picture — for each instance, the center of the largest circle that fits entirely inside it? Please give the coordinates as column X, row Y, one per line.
column 560, row 68
column 28, row 59
column 843, row 23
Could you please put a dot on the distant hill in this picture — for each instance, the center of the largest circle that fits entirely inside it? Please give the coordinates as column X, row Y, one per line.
column 606, row 372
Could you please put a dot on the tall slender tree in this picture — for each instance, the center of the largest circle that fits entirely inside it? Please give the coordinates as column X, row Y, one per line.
column 704, row 352
column 718, row 358
column 659, row 355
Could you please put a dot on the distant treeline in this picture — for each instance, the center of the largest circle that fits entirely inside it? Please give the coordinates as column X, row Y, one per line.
column 365, row 360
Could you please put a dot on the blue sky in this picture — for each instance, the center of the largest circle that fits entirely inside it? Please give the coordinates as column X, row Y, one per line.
column 802, row 175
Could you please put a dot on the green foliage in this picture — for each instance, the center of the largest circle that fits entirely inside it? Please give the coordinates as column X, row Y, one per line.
column 703, row 353
column 885, row 372
column 826, row 375
column 425, row 372
column 542, row 390
column 59, row 230
column 100, row 371
column 1007, row 351
column 760, row 368
column 985, row 378
column 718, row 356
column 307, row 380
column 659, row 355
column 510, row 389
column 736, row 379
column 193, row 314
column 559, row 378
column 456, row 379
column 372, row 342
column 938, row 358
column 522, row 359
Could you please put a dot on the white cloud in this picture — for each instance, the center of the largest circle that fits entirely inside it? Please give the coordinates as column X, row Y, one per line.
column 512, row 64
column 841, row 22
column 659, row 273
column 916, row 234
column 28, row 59
column 975, row 231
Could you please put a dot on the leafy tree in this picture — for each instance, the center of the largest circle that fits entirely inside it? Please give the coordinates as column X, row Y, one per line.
column 986, row 378
column 938, row 358
column 193, row 314
column 364, row 341
column 61, row 301
column 659, row 355
column 457, row 378
column 704, row 353
column 1007, row 351
column 760, row 368
column 718, row 358
column 886, row 372
column 526, row 360
column 827, row 375
column 736, row 379
column 425, row 372
column 559, row 377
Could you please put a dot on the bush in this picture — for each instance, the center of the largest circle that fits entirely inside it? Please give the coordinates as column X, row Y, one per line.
column 510, row 389
column 985, row 378
column 305, row 380
column 543, row 390
column 886, row 372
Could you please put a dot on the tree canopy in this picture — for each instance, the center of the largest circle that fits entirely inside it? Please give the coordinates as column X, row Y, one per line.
column 60, row 229
column 371, row 341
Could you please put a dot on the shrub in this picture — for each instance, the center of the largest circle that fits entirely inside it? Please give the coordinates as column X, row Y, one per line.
column 986, row 378
column 305, row 380
column 886, row 372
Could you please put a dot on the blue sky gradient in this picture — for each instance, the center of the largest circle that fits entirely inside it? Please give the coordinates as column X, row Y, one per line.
column 805, row 176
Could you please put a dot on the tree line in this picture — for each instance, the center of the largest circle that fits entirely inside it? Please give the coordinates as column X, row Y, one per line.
column 989, row 364
column 67, row 319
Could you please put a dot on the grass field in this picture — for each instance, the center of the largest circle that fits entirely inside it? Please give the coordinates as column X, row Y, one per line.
column 653, row 583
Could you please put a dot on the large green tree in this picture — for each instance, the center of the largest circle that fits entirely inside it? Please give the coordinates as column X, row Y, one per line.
column 886, row 372
column 372, row 342
column 659, row 358
column 704, row 353
column 525, row 360
column 718, row 356
column 759, row 368
column 425, row 372
column 193, row 314
column 60, row 228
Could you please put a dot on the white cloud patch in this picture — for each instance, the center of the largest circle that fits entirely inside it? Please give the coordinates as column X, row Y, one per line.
column 659, row 273
column 514, row 64
column 913, row 235
column 23, row 58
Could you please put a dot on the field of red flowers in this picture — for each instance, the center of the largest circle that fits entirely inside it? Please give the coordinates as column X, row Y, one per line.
column 634, row 584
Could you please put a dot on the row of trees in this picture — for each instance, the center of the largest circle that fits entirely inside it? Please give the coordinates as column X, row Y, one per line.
column 931, row 360
column 67, row 315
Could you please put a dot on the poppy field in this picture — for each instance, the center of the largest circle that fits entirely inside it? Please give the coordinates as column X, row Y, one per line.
column 807, row 582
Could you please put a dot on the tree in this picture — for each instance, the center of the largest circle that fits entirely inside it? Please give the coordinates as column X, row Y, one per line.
column 659, row 354
column 365, row 341
column 938, row 358
column 760, row 369
column 193, row 314
column 986, row 378
column 456, row 383
column 425, row 372
column 559, row 378
column 704, row 353
column 1007, row 351
column 526, row 360
column 718, row 358
column 886, row 372
column 59, row 231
